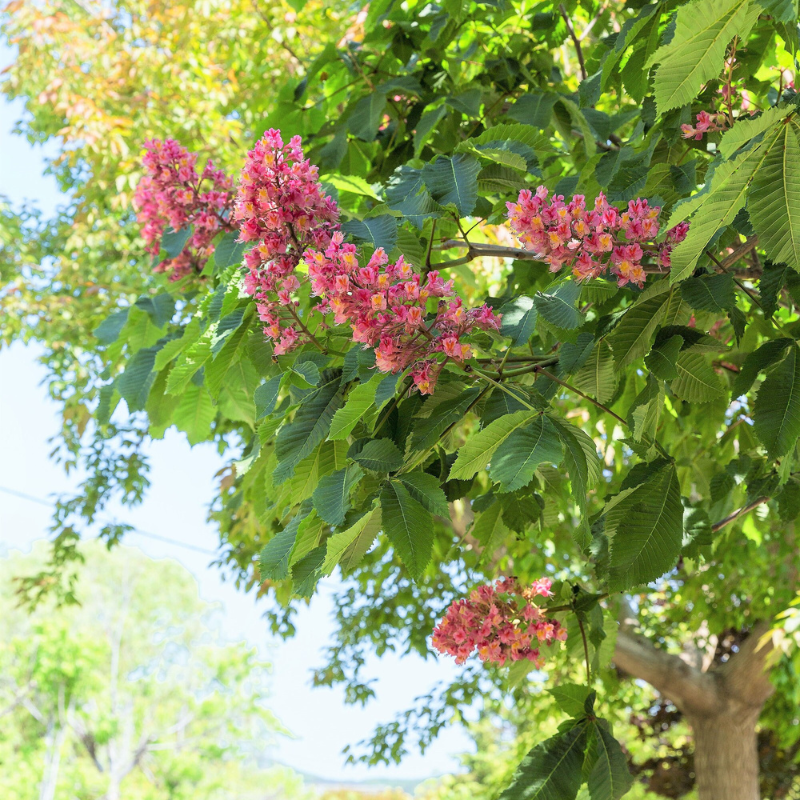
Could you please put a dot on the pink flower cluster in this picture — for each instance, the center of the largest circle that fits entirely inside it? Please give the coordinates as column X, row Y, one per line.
column 501, row 622
column 706, row 123
column 386, row 305
column 280, row 205
column 589, row 241
column 172, row 193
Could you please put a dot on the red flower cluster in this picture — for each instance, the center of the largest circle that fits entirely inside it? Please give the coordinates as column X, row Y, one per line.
column 500, row 622
column 706, row 123
column 589, row 241
column 172, row 193
column 281, row 206
column 386, row 306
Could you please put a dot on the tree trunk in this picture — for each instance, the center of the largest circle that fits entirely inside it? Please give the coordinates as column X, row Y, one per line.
column 726, row 755
column 721, row 704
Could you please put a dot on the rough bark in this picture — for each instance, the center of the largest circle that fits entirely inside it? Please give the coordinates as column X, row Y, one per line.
column 721, row 704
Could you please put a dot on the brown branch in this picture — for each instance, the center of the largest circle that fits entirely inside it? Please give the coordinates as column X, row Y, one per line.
column 575, row 40
column 736, row 514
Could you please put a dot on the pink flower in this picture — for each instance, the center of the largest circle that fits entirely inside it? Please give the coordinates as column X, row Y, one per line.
column 172, row 194
column 499, row 623
column 566, row 234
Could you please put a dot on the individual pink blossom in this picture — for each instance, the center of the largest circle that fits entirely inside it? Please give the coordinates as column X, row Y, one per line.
column 501, row 623
column 386, row 305
column 708, row 123
column 281, row 206
column 590, row 242
column 172, row 193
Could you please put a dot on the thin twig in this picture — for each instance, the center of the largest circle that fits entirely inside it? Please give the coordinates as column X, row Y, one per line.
column 740, row 512
column 577, row 391
column 576, row 41
column 585, row 651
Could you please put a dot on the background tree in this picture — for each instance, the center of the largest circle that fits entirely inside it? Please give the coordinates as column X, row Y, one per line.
column 133, row 694
column 615, row 434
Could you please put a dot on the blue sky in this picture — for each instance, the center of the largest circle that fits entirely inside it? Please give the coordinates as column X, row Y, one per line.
column 175, row 508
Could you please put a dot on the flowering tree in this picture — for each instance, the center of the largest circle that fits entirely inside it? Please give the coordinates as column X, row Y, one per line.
column 523, row 308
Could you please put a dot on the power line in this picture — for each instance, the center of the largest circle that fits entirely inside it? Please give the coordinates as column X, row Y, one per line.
column 42, row 502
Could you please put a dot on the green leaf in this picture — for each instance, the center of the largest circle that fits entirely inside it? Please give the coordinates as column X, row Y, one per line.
column 238, row 389
column 379, row 455
column 352, row 184
column 714, row 209
column 195, row 413
column 598, row 376
column 367, row 115
column 380, row 231
column 661, row 359
column 478, row 451
column 710, row 292
column 173, row 242
column 490, row 529
column 349, row 547
column 519, row 320
column 580, row 458
column 776, row 413
column 266, row 396
column 570, row 698
column 427, row 491
column 310, row 426
column 229, row 251
column 409, row 526
column 644, row 525
column 631, row 338
column 518, row 457
column 427, row 431
column 745, row 129
column 361, row 397
column 426, row 125
column 454, row 180
column 610, row 777
column 696, row 53
column 696, row 382
column 552, row 770
column 134, row 384
column 774, row 204
column 274, row 559
column 109, row 329
column 558, row 307
column 764, row 357
column 332, row 495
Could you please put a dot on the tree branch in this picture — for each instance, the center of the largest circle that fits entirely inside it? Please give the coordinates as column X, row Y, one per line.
column 669, row 674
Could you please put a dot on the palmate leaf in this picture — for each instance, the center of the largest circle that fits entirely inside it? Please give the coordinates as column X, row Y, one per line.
column 631, row 338
column 361, row 397
column 774, row 203
column 380, row 231
column 490, row 529
column 454, row 180
column 134, row 384
column 349, row 547
column 696, row 382
column 310, row 426
column 580, row 458
column 332, row 495
column 610, row 777
column 518, row 457
column 378, row 455
column 598, row 376
column 409, row 526
column 195, row 413
column 696, row 53
column 427, row 431
column 644, row 525
column 558, row 306
column 715, row 208
column 552, row 770
column 776, row 413
column 478, row 451
column 710, row 292
column 747, row 128
column 425, row 489
column 764, row 357
column 519, row 320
